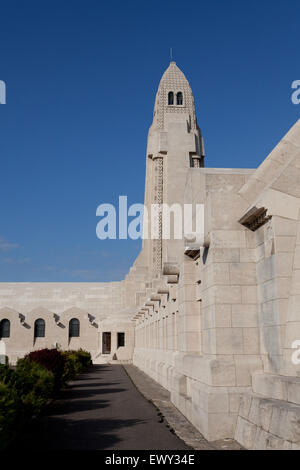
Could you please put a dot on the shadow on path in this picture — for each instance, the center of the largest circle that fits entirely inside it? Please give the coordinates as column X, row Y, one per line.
column 100, row 410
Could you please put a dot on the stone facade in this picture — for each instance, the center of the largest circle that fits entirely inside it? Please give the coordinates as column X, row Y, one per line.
column 213, row 318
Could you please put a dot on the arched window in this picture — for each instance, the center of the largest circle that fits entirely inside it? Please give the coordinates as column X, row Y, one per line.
column 170, row 98
column 74, row 328
column 4, row 328
column 39, row 328
column 179, row 98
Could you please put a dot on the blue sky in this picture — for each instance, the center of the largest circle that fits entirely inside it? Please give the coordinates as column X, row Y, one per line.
column 81, row 80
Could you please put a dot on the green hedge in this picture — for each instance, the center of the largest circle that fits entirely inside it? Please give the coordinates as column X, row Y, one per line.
column 23, row 393
column 75, row 363
column 25, row 390
column 10, row 411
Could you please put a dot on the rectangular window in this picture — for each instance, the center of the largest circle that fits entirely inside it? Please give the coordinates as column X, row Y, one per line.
column 121, row 339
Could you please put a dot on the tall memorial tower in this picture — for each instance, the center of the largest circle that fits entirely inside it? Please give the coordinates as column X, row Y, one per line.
column 175, row 144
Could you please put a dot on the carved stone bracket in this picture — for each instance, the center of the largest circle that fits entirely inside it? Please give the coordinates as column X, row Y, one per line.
column 255, row 218
column 170, row 269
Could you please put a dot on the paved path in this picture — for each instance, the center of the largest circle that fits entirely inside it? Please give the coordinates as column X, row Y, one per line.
column 101, row 410
column 158, row 395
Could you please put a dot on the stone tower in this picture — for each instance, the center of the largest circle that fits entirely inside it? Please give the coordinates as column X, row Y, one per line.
column 175, row 144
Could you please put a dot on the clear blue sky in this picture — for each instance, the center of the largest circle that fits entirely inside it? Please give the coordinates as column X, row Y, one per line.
column 81, row 80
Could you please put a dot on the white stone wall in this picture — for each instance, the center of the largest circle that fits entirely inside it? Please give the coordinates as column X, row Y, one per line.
column 225, row 327
column 204, row 343
column 94, row 304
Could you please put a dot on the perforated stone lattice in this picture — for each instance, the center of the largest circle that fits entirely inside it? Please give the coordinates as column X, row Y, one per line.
column 174, row 80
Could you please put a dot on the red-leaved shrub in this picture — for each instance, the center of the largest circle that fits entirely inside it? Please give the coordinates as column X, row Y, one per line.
column 51, row 359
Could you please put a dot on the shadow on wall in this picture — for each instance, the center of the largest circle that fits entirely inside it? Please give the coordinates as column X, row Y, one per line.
column 270, row 330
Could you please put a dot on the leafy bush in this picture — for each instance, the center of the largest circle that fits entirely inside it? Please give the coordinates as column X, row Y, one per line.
column 64, row 365
column 26, row 389
column 84, row 358
column 75, row 363
column 53, row 360
column 10, row 411
column 6, row 374
column 72, row 366
column 23, row 393
column 34, row 384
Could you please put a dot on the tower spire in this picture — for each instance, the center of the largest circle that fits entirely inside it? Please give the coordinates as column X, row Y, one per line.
column 174, row 146
column 174, row 96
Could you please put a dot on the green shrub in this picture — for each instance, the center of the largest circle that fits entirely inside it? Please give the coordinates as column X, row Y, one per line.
column 85, row 358
column 6, row 374
column 72, row 366
column 75, row 363
column 10, row 414
column 23, row 393
column 53, row 360
column 26, row 389
column 34, row 384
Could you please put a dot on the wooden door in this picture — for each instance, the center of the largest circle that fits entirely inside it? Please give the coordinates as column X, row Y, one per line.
column 106, row 343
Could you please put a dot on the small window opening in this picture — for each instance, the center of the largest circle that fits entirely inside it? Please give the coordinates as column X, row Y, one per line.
column 121, row 339
column 74, row 328
column 4, row 328
column 170, row 98
column 39, row 328
column 179, row 98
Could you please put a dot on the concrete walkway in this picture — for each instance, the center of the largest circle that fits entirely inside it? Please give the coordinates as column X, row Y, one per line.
column 102, row 409
column 161, row 399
